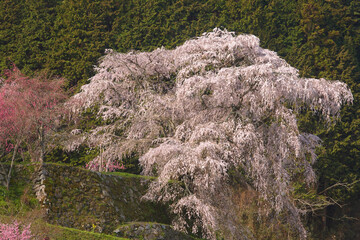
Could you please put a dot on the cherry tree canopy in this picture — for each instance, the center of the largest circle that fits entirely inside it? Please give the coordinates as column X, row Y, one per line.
column 217, row 102
column 28, row 109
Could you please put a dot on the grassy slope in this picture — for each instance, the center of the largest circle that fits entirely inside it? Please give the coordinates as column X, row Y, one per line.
column 42, row 230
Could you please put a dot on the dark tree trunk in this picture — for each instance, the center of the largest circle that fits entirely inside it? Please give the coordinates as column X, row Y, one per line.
column 42, row 144
column 12, row 165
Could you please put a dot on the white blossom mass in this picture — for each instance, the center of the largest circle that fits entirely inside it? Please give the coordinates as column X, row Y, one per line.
column 217, row 102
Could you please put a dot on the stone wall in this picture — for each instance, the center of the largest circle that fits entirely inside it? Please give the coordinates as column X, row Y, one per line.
column 78, row 198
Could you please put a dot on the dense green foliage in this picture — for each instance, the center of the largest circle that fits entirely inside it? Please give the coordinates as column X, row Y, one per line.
column 19, row 197
column 80, row 157
column 321, row 38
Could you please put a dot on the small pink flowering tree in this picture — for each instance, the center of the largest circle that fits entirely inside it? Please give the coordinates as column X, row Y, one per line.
column 15, row 232
column 29, row 108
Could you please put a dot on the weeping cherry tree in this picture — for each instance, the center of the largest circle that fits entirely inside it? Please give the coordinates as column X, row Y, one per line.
column 217, row 102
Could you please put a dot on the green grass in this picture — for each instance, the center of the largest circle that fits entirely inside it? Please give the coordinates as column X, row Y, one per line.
column 127, row 175
column 121, row 174
column 71, row 233
column 42, row 230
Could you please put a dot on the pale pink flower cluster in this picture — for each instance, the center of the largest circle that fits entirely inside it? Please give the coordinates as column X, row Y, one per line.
column 217, row 102
column 14, row 231
column 111, row 167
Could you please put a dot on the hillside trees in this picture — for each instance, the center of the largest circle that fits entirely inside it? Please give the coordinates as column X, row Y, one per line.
column 64, row 37
column 330, row 48
column 26, row 29
column 51, row 34
column 215, row 103
column 29, row 108
column 10, row 18
column 32, row 38
column 80, row 35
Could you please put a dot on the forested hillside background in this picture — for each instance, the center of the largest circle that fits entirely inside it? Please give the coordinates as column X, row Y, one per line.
column 320, row 38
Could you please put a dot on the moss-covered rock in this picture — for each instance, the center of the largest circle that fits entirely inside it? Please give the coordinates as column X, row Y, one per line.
column 150, row 231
